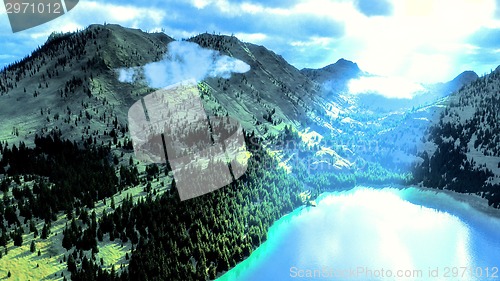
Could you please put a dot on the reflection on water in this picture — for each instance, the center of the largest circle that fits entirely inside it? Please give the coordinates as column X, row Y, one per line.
column 378, row 234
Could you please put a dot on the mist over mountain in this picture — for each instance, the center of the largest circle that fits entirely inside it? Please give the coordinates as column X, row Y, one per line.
column 183, row 61
column 428, row 94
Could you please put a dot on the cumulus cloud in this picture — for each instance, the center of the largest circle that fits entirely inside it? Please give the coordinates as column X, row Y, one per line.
column 184, row 61
column 389, row 87
column 374, row 7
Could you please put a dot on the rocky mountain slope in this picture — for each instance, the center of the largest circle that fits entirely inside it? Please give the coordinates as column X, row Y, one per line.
column 461, row 151
column 68, row 91
column 376, row 128
column 68, row 167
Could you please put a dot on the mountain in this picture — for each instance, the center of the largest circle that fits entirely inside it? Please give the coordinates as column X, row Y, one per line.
column 71, row 84
column 342, row 70
column 334, row 79
column 464, row 78
column 385, row 131
column 439, row 90
column 461, row 149
column 272, row 92
column 67, row 168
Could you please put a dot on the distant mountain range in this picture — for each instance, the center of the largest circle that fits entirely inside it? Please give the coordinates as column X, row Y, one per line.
column 70, row 85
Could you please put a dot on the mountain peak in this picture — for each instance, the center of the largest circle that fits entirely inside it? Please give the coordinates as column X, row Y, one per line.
column 338, row 73
column 465, row 77
column 447, row 88
column 343, row 63
column 344, row 67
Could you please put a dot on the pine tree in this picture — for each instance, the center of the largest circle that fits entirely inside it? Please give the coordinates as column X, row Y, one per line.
column 71, row 264
column 45, row 232
column 32, row 246
column 18, row 239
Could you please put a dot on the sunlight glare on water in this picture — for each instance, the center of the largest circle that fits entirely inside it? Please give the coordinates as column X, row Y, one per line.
column 374, row 229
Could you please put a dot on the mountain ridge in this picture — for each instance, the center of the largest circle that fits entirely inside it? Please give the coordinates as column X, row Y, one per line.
column 73, row 75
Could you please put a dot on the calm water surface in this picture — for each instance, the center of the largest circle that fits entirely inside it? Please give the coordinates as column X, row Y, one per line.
column 378, row 234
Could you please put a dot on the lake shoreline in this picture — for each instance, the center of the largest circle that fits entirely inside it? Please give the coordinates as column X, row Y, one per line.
column 474, row 200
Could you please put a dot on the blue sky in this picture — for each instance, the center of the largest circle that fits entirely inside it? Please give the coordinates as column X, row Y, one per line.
column 416, row 40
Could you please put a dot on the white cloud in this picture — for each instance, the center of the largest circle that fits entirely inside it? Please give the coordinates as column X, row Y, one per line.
column 121, row 14
column 422, row 40
column 419, row 41
column 184, row 61
column 200, row 4
column 389, row 87
column 252, row 8
column 251, row 37
column 236, row 9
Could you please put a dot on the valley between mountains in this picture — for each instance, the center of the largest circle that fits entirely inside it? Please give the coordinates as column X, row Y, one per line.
column 76, row 203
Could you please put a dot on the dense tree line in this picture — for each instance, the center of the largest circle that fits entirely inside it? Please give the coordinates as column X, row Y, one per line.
column 197, row 238
column 66, row 176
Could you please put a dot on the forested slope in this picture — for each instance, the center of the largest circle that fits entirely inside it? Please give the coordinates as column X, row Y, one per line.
column 463, row 147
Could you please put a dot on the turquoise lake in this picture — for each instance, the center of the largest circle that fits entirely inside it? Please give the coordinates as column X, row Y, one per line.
column 378, row 234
